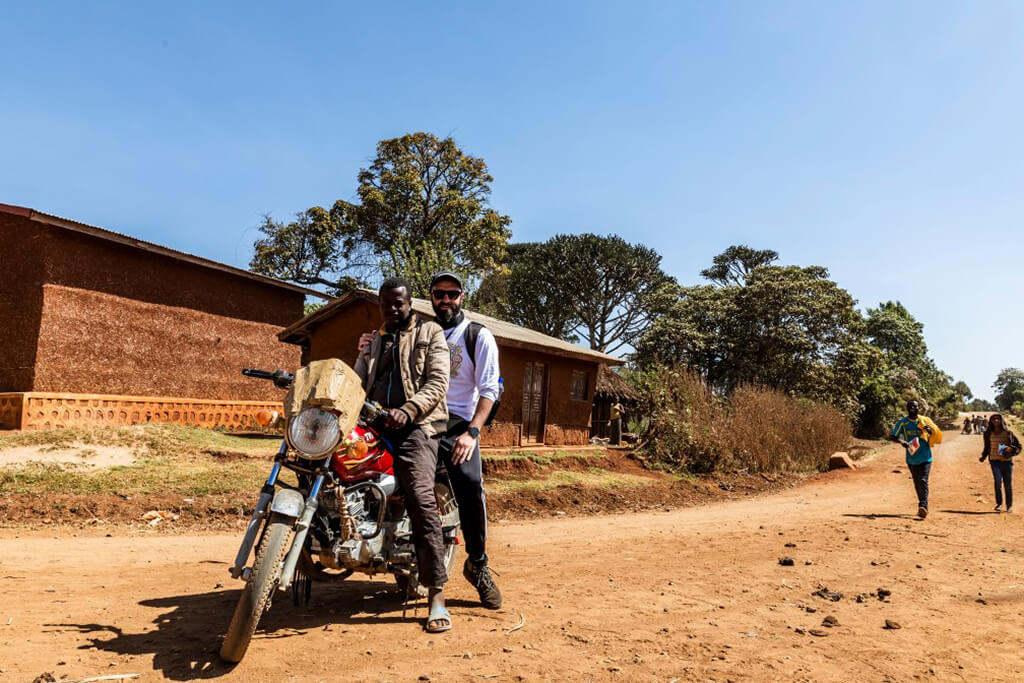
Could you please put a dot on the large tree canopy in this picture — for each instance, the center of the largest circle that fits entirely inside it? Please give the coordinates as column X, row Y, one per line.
column 423, row 206
column 895, row 331
column 582, row 287
column 734, row 265
column 785, row 327
column 531, row 291
column 1009, row 386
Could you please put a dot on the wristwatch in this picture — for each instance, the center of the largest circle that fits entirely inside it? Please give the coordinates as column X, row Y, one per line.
column 474, row 432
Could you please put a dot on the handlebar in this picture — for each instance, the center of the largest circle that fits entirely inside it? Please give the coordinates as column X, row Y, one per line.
column 372, row 410
column 282, row 379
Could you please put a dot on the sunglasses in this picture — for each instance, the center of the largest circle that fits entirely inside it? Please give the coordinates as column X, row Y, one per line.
column 441, row 294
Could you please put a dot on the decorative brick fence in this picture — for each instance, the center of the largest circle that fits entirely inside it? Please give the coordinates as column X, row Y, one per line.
column 41, row 410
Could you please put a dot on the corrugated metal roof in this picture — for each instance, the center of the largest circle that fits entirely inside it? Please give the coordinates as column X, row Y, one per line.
column 130, row 241
column 509, row 333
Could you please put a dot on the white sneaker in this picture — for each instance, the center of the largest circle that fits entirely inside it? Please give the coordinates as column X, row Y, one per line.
column 998, row 508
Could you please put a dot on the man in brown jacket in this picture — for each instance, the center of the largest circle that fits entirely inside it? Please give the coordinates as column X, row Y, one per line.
column 405, row 368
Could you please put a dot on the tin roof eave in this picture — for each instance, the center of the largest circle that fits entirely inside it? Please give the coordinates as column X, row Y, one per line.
column 110, row 235
column 509, row 333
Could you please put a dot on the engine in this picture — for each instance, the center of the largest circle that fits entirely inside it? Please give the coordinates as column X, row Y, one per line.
column 359, row 511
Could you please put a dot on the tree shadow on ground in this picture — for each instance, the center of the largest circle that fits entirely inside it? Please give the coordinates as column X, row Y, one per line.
column 971, row 512
column 879, row 515
column 187, row 638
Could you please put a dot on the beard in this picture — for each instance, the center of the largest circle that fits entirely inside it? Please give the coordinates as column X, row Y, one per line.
column 446, row 317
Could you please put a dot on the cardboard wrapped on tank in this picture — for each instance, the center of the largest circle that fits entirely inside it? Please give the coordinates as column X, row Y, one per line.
column 329, row 384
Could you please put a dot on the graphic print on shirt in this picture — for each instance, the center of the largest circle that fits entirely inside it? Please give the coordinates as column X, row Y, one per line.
column 455, row 350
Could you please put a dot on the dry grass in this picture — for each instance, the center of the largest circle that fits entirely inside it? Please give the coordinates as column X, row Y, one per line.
column 188, row 476
column 189, row 461
column 146, row 440
column 593, row 478
column 543, row 459
column 193, row 462
column 755, row 430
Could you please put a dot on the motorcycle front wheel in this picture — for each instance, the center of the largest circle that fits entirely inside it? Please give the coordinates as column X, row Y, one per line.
column 448, row 509
column 256, row 594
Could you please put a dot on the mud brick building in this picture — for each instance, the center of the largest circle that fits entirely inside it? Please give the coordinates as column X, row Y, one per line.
column 549, row 383
column 104, row 329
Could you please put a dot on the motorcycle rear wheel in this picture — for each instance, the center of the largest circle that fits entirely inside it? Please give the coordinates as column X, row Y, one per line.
column 255, row 597
column 448, row 509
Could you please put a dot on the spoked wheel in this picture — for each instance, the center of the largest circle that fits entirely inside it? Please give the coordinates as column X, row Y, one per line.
column 256, row 594
column 448, row 509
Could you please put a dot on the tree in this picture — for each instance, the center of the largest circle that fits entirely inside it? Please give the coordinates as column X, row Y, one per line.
column 891, row 328
column 319, row 247
column 981, row 405
column 690, row 326
column 963, row 392
column 734, row 265
column 587, row 286
column 785, row 327
column 423, row 206
column 531, row 290
column 610, row 282
column 1009, row 386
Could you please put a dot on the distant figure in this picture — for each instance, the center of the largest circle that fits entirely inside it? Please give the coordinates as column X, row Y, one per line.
column 616, row 423
column 967, row 425
column 917, row 433
column 1001, row 446
column 982, row 424
column 978, row 421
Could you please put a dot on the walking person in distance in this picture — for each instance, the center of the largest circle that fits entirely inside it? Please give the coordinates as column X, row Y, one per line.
column 1001, row 446
column 917, row 434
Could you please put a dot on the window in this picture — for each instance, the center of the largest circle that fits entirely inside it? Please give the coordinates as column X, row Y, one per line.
column 578, row 388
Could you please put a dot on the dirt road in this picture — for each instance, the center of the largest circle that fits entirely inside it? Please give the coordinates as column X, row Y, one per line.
column 690, row 594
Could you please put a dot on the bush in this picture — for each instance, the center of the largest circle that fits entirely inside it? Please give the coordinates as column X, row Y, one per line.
column 755, row 429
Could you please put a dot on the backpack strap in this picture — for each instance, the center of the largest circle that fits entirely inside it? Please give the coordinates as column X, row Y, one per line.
column 472, row 334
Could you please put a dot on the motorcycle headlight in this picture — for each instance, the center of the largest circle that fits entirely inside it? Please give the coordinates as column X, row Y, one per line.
column 314, row 432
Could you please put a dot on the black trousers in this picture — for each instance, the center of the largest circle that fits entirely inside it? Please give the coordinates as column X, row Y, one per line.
column 468, row 485
column 415, row 456
column 920, row 473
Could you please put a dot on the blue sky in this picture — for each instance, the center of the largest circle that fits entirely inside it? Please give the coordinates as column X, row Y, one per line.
column 879, row 139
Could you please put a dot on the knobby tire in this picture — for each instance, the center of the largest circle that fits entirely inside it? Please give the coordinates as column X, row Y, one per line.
column 255, row 596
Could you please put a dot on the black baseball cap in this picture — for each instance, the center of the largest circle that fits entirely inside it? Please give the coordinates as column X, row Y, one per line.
column 446, row 275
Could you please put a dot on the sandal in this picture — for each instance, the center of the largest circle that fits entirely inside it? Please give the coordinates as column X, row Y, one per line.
column 439, row 620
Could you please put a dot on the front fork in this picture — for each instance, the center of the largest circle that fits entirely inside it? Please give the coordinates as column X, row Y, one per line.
column 302, row 530
column 259, row 513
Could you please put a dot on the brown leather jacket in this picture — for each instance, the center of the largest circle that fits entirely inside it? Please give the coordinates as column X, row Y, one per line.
column 426, row 367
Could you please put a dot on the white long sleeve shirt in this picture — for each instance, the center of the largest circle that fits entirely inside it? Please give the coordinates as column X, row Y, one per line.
column 469, row 382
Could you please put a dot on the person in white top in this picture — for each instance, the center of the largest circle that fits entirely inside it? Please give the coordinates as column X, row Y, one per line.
column 473, row 390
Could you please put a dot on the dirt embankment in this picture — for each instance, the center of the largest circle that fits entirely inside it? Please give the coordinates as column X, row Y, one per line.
column 520, row 492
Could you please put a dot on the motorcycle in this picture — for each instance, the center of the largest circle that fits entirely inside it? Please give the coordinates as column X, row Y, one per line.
column 343, row 514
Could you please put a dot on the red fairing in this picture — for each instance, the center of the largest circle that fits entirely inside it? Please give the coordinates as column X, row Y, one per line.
column 351, row 464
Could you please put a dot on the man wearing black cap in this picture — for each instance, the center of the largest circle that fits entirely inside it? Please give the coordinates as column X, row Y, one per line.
column 473, row 389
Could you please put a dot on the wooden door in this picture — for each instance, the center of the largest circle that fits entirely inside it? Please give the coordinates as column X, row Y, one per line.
column 535, row 395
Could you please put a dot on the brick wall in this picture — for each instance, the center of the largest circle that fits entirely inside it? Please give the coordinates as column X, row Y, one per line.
column 21, row 296
column 86, row 315
column 94, row 343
